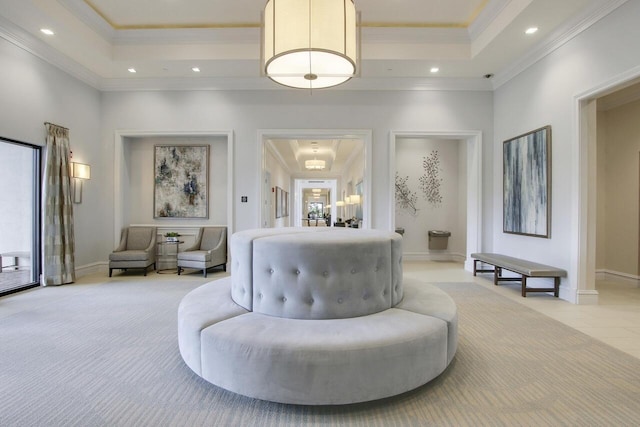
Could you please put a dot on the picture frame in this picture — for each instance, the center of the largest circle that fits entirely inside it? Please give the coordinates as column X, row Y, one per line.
column 359, row 192
column 285, row 203
column 527, row 184
column 278, row 203
column 181, row 181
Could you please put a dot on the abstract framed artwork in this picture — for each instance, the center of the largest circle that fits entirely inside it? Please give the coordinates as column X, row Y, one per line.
column 181, row 181
column 527, row 184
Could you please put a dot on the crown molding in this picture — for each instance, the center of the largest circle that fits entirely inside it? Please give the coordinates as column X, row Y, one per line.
column 391, row 35
column 24, row 40
column 276, row 155
column 624, row 96
column 261, row 83
column 90, row 18
column 486, row 17
column 556, row 40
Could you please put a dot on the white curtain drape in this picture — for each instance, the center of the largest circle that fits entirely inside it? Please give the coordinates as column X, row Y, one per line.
column 58, row 241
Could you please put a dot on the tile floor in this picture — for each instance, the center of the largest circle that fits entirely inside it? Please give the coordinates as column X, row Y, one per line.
column 615, row 320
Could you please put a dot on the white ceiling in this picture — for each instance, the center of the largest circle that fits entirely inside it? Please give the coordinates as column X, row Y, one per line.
column 401, row 40
column 98, row 40
column 338, row 155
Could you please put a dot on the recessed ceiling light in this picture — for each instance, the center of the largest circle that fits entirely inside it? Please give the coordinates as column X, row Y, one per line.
column 531, row 30
column 195, row 69
column 435, row 69
column 132, row 70
column 47, row 31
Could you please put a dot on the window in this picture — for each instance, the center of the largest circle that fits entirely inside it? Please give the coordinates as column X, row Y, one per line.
column 19, row 215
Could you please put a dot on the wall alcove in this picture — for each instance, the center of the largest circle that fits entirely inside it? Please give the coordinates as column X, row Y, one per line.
column 133, row 180
column 469, row 195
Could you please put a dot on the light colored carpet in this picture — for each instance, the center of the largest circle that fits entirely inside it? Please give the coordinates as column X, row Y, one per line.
column 106, row 355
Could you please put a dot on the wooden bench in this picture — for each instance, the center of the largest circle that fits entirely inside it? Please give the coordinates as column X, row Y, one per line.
column 526, row 269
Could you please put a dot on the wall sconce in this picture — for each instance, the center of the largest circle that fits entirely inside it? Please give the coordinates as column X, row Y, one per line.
column 79, row 172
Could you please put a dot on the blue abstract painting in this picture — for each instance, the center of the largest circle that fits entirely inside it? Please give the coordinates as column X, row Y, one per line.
column 526, row 181
column 181, row 181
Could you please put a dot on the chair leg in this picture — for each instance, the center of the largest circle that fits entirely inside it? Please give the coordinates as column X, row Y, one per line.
column 145, row 271
column 224, row 267
column 179, row 270
column 204, row 272
column 110, row 271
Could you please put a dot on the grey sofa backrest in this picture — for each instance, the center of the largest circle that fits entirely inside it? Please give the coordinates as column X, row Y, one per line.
column 316, row 273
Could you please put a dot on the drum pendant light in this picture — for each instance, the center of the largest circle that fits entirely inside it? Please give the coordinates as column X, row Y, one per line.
column 309, row 44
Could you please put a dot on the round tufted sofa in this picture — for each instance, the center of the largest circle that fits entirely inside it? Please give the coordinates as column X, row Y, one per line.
column 317, row 317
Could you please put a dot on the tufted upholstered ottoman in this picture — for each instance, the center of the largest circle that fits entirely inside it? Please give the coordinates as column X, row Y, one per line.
column 317, row 317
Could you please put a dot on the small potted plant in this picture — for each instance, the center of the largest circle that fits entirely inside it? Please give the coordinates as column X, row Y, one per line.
column 172, row 236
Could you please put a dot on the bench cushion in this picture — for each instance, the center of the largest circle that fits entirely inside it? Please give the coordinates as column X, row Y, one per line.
column 426, row 299
column 330, row 361
column 527, row 268
column 200, row 256
column 204, row 307
column 129, row 255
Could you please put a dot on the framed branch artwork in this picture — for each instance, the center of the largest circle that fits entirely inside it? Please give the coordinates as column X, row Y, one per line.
column 527, row 183
column 181, row 181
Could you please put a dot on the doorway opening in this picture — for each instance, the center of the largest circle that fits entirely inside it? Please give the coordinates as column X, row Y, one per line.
column 315, row 202
column 606, row 156
column 336, row 162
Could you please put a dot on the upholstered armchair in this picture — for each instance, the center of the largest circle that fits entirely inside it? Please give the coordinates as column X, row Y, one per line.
column 209, row 250
column 137, row 249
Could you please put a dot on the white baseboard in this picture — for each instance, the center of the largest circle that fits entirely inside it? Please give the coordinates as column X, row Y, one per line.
column 618, row 277
column 434, row 256
column 587, row 297
column 93, row 268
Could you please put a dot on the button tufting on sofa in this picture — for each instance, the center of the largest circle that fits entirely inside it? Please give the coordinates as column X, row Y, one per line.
column 323, row 346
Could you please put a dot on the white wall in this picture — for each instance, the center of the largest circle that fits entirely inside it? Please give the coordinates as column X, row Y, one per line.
column 247, row 112
column 617, row 248
column 34, row 92
column 140, row 172
column 351, row 176
column 545, row 94
column 279, row 178
column 450, row 214
column 601, row 195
